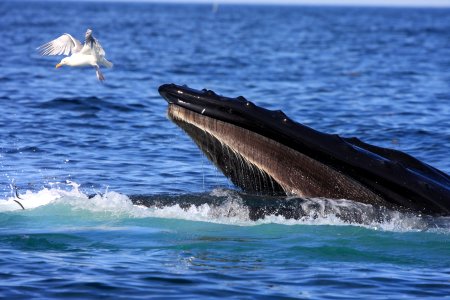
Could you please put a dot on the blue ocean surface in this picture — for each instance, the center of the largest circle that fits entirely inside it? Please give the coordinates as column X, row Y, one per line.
column 79, row 150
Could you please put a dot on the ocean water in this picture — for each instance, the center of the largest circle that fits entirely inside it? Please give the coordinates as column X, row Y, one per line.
column 79, row 151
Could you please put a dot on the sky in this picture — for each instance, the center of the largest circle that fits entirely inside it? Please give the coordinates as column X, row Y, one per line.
column 422, row 3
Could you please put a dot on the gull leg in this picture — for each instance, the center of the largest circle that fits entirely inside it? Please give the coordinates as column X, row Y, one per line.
column 99, row 73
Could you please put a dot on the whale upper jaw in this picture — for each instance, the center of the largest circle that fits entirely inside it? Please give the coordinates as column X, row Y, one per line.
column 208, row 103
column 264, row 151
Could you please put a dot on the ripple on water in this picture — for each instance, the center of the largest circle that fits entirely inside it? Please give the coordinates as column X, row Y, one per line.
column 378, row 74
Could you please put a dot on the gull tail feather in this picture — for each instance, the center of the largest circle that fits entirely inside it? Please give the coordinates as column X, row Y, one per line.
column 106, row 63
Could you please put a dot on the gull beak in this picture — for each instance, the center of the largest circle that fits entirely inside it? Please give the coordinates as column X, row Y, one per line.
column 58, row 66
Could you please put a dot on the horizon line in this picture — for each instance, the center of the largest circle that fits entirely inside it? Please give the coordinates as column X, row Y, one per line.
column 343, row 3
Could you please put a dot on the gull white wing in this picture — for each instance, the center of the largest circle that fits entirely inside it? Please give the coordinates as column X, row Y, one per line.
column 64, row 45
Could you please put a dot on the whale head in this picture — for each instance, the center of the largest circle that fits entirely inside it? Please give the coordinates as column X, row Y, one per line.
column 264, row 152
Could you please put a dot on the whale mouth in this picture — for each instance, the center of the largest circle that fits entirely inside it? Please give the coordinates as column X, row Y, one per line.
column 260, row 165
column 206, row 119
column 253, row 162
column 265, row 152
column 217, row 140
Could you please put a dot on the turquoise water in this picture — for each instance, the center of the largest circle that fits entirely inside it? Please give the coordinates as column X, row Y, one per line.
column 79, row 151
column 106, row 247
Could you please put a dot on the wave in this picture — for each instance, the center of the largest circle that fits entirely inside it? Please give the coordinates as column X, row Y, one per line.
column 224, row 207
column 21, row 150
column 84, row 104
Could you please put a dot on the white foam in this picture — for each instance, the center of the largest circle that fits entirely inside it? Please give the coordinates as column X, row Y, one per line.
column 30, row 200
column 232, row 211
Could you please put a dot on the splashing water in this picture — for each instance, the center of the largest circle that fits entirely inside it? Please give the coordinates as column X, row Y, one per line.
column 223, row 207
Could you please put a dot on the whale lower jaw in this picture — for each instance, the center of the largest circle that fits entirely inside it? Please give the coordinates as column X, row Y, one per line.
column 261, row 165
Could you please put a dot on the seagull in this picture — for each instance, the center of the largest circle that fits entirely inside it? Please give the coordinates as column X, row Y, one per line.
column 89, row 54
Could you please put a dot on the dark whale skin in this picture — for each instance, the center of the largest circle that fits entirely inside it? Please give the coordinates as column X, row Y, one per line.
column 395, row 176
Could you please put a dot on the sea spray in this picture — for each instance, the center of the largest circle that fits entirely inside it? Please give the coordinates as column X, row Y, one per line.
column 220, row 206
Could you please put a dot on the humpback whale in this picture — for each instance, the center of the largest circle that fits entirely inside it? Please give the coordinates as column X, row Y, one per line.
column 264, row 152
